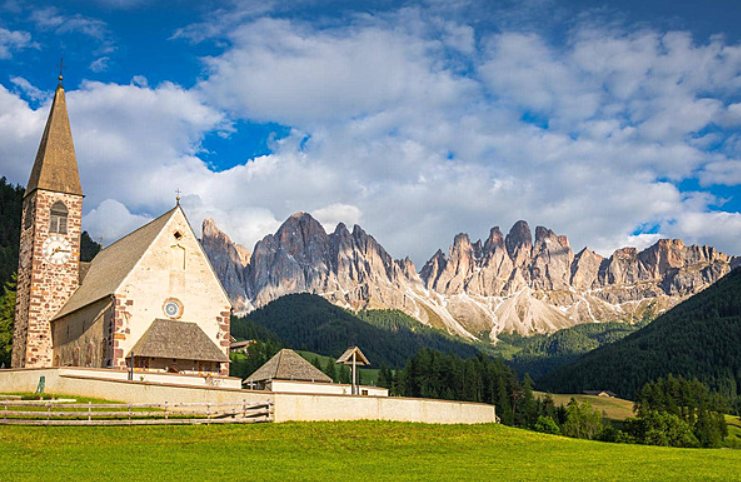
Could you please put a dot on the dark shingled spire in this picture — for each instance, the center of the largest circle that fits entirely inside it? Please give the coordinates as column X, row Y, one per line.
column 55, row 168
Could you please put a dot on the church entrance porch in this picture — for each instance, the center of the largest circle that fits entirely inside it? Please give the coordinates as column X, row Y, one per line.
column 144, row 364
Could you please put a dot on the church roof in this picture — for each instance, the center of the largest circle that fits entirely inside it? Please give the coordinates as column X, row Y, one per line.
column 180, row 340
column 111, row 265
column 288, row 365
column 55, row 167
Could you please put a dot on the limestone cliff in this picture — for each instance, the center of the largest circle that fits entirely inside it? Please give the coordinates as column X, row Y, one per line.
column 512, row 283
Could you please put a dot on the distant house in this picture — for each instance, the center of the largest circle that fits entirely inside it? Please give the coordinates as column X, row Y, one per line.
column 240, row 346
column 600, row 393
column 289, row 372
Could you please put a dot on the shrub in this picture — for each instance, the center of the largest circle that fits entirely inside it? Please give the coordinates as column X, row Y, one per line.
column 546, row 425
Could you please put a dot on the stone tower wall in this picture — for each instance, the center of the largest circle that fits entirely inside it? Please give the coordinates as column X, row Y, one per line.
column 43, row 287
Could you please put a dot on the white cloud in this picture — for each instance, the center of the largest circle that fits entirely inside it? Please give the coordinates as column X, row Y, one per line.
column 29, row 90
column 52, row 18
column 100, row 64
column 111, row 220
column 330, row 216
column 388, row 131
column 14, row 40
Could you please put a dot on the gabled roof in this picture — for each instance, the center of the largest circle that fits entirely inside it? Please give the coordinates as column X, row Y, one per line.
column 288, row 365
column 55, row 167
column 179, row 340
column 111, row 265
column 346, row 357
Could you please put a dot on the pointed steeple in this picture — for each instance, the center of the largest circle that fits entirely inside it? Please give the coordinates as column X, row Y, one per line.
column 55, row 168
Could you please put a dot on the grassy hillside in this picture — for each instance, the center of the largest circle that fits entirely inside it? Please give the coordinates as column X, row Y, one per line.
column 337, row 451
column 616, row 409
column 698, row 338
column 309, row 322
column 538, row 355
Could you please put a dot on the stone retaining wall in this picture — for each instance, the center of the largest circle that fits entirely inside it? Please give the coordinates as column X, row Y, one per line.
column 288, row 406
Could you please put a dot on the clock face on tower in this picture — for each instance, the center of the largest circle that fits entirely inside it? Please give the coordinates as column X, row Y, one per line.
column 57, row 250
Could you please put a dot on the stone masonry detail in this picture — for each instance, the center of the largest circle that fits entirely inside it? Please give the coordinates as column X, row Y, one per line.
column 43, row 287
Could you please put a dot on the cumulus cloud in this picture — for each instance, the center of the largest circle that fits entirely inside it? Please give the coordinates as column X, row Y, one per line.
column 330, row 216
column 419, row 127
column 111, row 220
column 14, row 40
column 29, row 90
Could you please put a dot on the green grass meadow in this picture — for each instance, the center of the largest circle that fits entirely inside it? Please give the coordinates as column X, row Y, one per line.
column 341, row 451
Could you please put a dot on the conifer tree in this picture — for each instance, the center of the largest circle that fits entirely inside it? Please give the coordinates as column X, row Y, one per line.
column 7, row 316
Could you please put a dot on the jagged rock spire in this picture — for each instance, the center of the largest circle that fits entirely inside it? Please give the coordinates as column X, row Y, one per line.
column 55, row 168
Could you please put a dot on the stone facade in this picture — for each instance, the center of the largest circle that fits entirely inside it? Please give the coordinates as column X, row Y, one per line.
column 83, row 338
column 43, row 287
column 174, row 267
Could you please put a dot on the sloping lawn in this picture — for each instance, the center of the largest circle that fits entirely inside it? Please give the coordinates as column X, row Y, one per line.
column 340, row 451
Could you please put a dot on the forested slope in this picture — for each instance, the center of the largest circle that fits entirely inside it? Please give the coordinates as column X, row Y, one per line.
column 309, row 322
column 699, row 338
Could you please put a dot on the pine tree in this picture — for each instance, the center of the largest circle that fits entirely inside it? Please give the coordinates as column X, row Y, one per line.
column 7, row 317
column 330, row 369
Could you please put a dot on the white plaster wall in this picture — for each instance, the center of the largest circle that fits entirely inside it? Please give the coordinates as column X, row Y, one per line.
column 154, row 280
column 288, row 406
column 289, row 386
column 308, row 407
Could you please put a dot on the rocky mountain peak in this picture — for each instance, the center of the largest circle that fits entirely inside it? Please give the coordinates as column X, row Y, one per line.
column 519, row 243
column 503, row 284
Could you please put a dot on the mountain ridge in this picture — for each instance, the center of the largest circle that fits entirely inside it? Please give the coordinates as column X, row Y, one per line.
column 513, row 283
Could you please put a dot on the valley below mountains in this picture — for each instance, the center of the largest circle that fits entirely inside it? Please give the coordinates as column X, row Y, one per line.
column 513, row 283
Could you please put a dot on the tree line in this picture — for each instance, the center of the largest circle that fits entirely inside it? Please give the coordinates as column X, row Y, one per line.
column 698, row 338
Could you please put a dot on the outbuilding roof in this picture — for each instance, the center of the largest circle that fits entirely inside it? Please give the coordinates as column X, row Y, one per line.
column 288, row 365
column 179, row 340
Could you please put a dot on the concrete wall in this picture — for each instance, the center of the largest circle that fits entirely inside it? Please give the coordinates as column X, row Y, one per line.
column 290, row 386
column 27, row 380
column 288, row 406
column 309, row 407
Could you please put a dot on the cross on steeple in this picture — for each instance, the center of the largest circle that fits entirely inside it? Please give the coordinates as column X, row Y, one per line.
column 177, row 198
column 61, row 68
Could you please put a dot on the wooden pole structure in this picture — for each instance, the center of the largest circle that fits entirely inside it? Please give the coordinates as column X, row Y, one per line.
column 354, row 379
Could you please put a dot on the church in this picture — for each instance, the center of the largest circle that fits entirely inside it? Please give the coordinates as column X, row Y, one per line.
column 149, row 302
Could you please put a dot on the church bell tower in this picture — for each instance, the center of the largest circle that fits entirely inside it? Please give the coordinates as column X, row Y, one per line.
column 49, row 261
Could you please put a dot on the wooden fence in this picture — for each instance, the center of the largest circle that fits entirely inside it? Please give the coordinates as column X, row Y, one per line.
column 48, row 413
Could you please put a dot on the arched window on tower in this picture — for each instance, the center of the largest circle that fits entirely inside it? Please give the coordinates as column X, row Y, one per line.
column 58, row 218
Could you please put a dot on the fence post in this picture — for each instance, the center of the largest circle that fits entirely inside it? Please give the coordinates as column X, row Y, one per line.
column 244, row 408
column 208, row 413
column 129, row 414
column 89, row 412
column 165, row 409
column 5, row 412
column 48, row 412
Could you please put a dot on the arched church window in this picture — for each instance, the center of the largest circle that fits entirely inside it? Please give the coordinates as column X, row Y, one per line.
column 177, row 258
column 56, row 361
column 76, row 358
column 103, row 346
column 89, row 355
column 58, row 218
column 28, row 216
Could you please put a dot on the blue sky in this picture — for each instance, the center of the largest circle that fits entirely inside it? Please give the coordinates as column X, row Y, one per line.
column 616, row 123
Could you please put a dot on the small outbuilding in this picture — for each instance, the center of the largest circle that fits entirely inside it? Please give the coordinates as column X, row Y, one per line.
column 600, row 393
column 289, row 372
column 285, row 366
